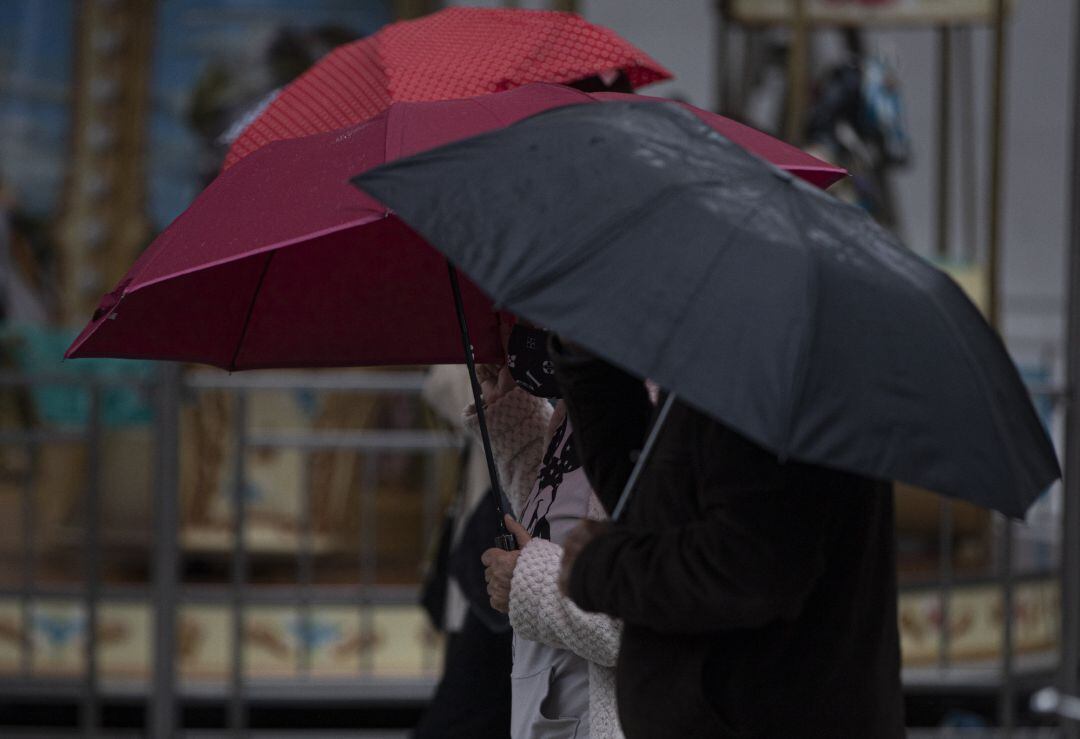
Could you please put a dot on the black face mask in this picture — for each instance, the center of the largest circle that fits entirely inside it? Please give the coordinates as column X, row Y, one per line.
column 528, row 361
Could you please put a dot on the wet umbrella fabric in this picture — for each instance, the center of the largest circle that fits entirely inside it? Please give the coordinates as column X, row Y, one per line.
column 454, row 53
column 787, row 315
column 280, row 262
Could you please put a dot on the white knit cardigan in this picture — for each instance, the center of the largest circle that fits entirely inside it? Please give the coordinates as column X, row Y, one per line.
column 521, row 426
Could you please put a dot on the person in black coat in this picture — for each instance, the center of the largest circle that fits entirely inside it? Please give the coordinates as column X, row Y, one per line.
column 758, row 595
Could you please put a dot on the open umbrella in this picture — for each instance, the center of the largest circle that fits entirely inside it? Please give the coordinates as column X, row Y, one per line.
column 651, row 239
column 280, row 262
column 454, row 53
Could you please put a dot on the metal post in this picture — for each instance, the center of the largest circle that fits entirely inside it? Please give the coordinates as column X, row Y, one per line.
column 408, row 9
column 1070, row 534
column 369, row 483
column 91, row 714
column 237, row 702
column 969, row 176
column 162, row 718
column 1007, row 694
column 433, row 466
column 723, row 89
column 1006, row 697
column 306, row 569
column 29, row 556
column 798, row 58
column 944, row 160
column 752, row 41
column 430, row 510
column 997, row 133
column 945, row 581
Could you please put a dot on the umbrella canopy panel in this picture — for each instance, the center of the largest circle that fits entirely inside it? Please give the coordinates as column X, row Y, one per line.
column 328, row 302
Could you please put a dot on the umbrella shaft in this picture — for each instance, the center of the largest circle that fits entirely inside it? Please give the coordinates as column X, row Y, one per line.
column 643, row 458
column 504, row 540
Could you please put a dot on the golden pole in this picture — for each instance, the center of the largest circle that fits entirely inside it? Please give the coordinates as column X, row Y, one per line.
column 944, row 136
column 997, row 131
column 407, row 9
column 798, row 55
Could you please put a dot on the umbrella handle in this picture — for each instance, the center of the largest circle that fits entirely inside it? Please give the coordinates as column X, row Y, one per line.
column 504, row 540
column 643, row 457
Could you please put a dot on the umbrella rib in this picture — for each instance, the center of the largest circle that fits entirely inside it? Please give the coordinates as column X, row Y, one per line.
column 900, row 266
column 250, row 310
column 801, row 369
column 717, row 256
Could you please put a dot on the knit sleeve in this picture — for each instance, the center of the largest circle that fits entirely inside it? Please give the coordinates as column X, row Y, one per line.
column 539, row 612
column 517, row 424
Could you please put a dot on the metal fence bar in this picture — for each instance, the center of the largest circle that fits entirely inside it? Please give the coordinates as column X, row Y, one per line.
column 1068, row 678
column 997, row 135
column 162, row 718
column 366, row 690
column 369, row 484
column 432, row 485
column 16, row 378
column 237, row 701
column 306, row 570
column 367, row 381
column 399, row 441
column 371, row 441
column 209, row 594
column 1006, row 697
column 965, row 69
column 944, row 152
column 29, row 560
column 430, row 510
column 721, row 64
column 39, row 436
column 90, row 718
column 945, row 580
column 1007, row 694
column 389, row 594
column 798, row 71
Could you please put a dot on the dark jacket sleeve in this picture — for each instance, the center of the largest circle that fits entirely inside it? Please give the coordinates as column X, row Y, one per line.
column 750, row 560
column 610, row 412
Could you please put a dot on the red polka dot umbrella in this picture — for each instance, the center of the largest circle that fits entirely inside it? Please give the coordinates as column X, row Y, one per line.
column 455, row 53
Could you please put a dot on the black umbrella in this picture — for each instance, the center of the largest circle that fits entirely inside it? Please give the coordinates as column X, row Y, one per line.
column 640, row 233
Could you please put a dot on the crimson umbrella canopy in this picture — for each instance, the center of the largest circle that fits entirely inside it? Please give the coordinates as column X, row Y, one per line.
column 280, row 262
column 454, row 53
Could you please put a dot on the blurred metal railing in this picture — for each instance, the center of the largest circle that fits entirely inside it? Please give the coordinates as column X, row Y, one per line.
column 166, row 592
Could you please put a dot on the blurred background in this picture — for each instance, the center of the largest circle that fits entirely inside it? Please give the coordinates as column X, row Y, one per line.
column 133, row 595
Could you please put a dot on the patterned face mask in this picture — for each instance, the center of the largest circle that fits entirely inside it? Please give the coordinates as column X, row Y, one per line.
column 528, row 361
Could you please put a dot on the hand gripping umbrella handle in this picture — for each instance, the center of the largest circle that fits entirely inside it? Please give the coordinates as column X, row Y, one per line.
column 504, row 540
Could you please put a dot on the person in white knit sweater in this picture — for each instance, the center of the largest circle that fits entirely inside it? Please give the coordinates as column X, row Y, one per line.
column 563, row 676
